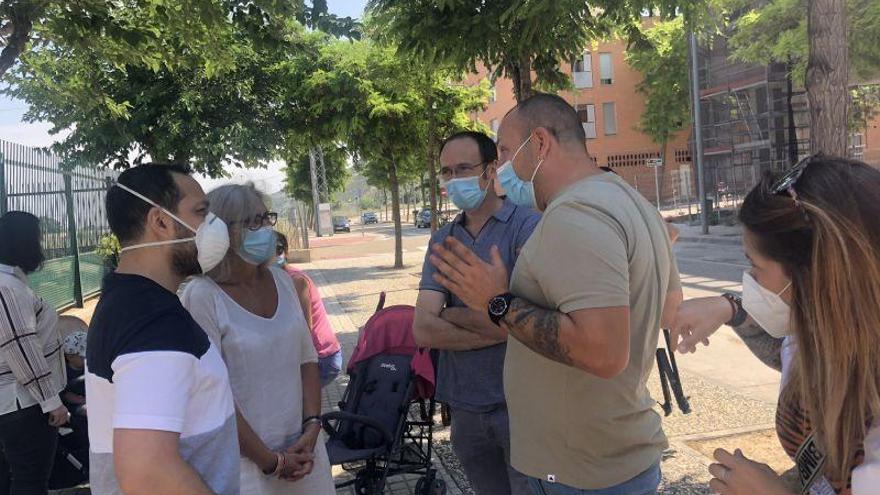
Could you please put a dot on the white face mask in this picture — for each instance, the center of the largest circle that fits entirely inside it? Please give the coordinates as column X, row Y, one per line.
column 211, row 238
column 766, row 307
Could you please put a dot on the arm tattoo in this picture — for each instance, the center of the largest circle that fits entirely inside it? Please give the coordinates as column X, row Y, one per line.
column 765, row 347
column 538, row 329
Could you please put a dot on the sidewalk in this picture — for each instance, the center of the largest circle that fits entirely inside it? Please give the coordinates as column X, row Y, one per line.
column 718, row 234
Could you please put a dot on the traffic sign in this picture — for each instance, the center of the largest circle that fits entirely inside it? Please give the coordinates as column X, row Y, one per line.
column 654, row 162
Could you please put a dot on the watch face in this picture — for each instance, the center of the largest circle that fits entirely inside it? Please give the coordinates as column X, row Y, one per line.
column 497, row 306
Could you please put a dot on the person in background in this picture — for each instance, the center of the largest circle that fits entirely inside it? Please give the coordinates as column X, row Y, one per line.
column 31, row 365
column 161, row 414
column 323, row 336
column 583, row 308
column 251, row 311
column 810, row 308
column 74, row 335
column 471, row 357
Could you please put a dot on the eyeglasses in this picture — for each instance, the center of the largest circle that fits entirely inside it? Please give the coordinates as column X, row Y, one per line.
column 785, row 184
column 447, row 174
column 268, row 219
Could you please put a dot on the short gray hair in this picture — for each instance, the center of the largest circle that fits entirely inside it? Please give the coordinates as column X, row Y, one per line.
column 234, row 204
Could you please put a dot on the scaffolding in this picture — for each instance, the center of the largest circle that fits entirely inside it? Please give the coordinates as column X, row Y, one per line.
column 754, row 120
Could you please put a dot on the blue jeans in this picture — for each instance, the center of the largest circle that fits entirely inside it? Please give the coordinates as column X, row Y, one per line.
column 330, row 367
column 643, row 484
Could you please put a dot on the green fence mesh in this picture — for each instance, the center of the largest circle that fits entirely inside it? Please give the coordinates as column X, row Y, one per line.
column 69, row 200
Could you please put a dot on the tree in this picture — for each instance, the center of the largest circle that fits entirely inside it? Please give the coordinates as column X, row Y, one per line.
column 663, row 62
column 777, row 31
column 121, row 114
column 317, row 16
column 145, row 33
column 827, row 80
column 446, row 106
column 297, row 174
column 513, row 38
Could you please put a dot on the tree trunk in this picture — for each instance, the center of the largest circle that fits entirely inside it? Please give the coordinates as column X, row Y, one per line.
column 664, row 150
column 395, row 212
column 20, row 22
column 827, row 76
column 521, row 75
column 792, row 127
column 385, row 202
column 431, row 164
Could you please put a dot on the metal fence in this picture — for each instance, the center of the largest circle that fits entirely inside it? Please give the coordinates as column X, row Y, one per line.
column 70, row 205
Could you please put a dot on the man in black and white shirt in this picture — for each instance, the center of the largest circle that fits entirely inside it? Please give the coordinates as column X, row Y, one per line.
column 161, row 416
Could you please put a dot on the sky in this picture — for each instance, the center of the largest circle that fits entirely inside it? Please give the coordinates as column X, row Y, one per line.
column 37, row 134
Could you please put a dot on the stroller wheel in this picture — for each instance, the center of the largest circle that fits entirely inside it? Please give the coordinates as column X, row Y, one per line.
column 430, row 485
column 368, row 482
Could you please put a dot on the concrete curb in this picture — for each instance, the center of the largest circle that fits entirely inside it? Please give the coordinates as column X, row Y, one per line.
column 711, row 240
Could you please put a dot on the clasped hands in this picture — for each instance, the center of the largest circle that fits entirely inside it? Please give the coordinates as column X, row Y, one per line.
column 299, row 458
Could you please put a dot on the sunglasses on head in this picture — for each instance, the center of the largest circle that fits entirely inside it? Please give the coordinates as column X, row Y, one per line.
column 786, row 183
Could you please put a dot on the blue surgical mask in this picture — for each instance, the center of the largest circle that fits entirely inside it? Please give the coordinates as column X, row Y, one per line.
column 465, row 192
column 281, row 261
column 521, row 192
column 258, row 246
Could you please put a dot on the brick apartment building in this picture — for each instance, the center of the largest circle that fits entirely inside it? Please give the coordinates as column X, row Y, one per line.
column 747, row 125
column 610, row 107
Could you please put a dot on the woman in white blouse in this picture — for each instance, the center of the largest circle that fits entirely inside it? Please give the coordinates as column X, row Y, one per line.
column 810, row 307
column 251, row 311
column 32, row 372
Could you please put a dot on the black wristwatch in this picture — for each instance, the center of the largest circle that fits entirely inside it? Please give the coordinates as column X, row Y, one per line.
column 499, row 306
column 739, row 314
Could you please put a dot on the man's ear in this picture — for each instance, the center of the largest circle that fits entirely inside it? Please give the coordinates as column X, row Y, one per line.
column 542, row 141
column 158, row 224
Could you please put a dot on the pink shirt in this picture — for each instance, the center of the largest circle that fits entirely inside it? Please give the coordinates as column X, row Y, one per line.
column 323, row 337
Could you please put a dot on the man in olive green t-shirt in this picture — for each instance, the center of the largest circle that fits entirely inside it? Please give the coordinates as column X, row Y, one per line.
column 584, row 307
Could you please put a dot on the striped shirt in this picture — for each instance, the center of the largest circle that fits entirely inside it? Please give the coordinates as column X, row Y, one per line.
column 32, row 369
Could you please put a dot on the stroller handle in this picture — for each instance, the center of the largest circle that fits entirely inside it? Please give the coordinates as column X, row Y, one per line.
column 354, row 418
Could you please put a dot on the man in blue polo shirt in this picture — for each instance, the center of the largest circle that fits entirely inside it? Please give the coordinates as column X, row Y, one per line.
column 472, row 348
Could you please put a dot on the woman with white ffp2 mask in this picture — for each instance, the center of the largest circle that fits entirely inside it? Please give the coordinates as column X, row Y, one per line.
column 810, row 307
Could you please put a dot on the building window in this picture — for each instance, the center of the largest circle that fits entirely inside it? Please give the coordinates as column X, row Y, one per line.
column 493, row 95
column 609, row 119
column 494, row 125
column 582, row 71
column 606, row 72
column 587, row 114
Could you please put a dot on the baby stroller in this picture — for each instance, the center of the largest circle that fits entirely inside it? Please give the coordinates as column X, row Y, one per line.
column 384, row 426
column 71, row 468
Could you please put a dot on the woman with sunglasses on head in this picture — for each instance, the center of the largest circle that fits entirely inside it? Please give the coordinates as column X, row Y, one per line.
column 251, row 311
column 811, row 308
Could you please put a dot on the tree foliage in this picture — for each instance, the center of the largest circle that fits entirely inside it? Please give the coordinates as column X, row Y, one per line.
column 150, row 33
column 511, row 38
column 776, row 31
column 122, row 114
column 297, row 174
column 663, row 62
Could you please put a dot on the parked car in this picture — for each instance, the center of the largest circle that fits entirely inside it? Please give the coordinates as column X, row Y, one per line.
column 423, row 219
column 341, row 224
column 369, row 217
